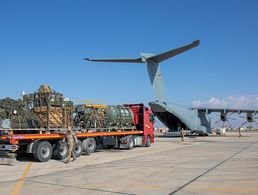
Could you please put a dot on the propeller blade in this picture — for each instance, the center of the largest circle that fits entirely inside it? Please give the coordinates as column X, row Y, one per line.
column 231, row 114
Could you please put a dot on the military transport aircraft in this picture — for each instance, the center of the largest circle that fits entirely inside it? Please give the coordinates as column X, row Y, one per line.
column 172, row 115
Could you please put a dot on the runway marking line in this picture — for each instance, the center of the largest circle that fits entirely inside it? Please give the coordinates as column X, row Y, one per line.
column 20, row 183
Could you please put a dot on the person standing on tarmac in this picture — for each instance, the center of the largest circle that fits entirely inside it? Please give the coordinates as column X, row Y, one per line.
column 71, row 139
column 239, row 132
column 182, row 135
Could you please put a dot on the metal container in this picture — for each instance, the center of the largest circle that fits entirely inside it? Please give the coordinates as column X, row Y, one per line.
column 119, row 116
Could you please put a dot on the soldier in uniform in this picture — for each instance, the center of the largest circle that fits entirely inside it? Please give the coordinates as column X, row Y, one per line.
column 239, row 132
column 182, row 134
column 71, row 139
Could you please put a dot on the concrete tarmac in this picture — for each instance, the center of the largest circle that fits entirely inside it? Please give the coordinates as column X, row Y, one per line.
column 200, row 165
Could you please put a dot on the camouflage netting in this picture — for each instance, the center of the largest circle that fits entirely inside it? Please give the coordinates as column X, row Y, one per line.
column 18, row 113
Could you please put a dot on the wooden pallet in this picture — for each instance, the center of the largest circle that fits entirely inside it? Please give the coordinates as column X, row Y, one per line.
column 54, row 117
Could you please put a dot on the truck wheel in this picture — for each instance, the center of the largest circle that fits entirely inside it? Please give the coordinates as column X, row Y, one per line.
column 43, row 151
column 77, row 150
column 130, row 143
column 148, row 141
column 61, row 150
column 89, row 145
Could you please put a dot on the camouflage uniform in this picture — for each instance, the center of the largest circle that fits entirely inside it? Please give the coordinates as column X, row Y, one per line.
column 239, row 132
column 71, row 141
column 182, row 134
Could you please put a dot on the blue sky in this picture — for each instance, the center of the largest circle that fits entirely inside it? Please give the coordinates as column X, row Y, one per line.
column 43, row 42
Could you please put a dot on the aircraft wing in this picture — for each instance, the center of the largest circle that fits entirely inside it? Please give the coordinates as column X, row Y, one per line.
column 226, row 110
column 129, row 60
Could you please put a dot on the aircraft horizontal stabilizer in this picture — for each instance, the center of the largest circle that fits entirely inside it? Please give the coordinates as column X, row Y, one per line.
column 163, row 56
column 157, row 58
column 129, row 60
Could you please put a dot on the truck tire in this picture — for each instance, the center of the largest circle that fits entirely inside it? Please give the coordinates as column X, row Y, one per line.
column 61, row 150
column 43, row 151
column 77, row 150
column 130, row 143
column 148, row 141
column 89, row 145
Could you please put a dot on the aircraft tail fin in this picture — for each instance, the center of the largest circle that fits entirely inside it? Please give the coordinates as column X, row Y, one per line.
column 156, row 80
column 154, row 72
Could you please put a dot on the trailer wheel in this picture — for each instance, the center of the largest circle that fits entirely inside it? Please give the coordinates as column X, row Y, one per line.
column 61, row 150
column 130, row 143
column 43, row 151
column 77, row 150
column 89, row 145
column 148, row 141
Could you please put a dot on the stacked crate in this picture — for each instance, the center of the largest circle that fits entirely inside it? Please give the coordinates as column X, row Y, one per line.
column 52, row 109
column 54, row 117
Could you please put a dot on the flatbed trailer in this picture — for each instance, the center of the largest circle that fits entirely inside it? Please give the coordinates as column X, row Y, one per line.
column 51, row 143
